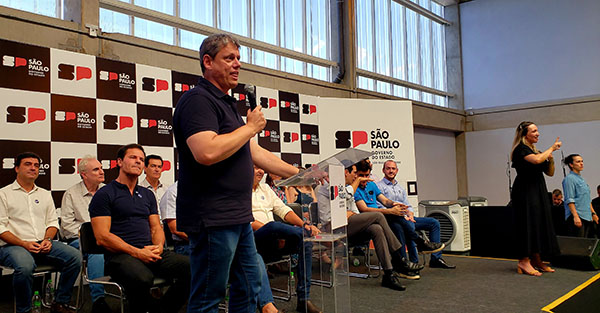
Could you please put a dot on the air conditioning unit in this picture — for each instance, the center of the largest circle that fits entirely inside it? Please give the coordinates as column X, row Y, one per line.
column 473, row 201
column 454, row 223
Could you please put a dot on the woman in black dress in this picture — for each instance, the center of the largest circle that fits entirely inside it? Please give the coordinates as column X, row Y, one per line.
column 529, row 196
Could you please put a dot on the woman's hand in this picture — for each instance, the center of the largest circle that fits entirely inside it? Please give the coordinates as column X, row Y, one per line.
column 556, row 145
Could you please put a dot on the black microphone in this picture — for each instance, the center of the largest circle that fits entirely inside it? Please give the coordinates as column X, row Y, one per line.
column 251, row 93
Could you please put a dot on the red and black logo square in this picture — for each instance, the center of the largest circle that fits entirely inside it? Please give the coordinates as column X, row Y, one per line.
column 182, row 82
column 270, row 138
column 107, row 155
column 309, row 138
column 24, row 66
column 115, row 80
column 155, row 125
column 289, row 107
column 73, row 119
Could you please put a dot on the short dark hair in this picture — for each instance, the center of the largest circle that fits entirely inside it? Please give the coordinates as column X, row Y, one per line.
column 212, row 44
column 26, row 155
column 363, row 166
column 569, row 160
column 349, row 168
column 152, row 157
column 556, row 192
column 123, row 150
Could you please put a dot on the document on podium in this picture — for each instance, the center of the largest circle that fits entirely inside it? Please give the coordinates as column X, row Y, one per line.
column 337, row 196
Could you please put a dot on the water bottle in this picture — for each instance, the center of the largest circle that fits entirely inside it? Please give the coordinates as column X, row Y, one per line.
column 292, row 280
column 36, row 303
column 49, row 296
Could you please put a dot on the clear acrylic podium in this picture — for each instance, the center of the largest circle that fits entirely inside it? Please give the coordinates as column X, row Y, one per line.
column 330, row 285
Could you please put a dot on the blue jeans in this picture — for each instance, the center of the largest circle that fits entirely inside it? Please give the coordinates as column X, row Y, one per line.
column 428, row 224
column 182, row 247
column 265, row 296
column 218, row 252
column 67, row 259
column 267, row 241
column 404, row 231
column 95, row 269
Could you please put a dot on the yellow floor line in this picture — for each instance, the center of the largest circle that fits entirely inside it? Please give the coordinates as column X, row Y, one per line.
column 571, row 293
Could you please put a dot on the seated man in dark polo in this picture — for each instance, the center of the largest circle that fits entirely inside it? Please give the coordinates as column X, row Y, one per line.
column 125, row 221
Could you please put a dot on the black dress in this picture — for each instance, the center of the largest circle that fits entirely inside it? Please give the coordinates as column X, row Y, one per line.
column 535, row 230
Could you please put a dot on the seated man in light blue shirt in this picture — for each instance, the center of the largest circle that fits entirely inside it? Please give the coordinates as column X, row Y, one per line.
column 390, row 188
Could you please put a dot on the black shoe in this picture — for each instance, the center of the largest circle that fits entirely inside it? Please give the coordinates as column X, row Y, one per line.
column 392, row 282
column 440, row 263
column 100, row 306
column 409, row 275
column 427, row 247
column 305, row 306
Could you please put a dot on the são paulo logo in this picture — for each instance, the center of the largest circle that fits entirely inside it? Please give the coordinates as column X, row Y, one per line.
column 123, row 79
column 20, row 115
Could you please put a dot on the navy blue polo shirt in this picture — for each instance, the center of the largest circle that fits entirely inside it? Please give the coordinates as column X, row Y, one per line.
column 129, row 213
column 219, row 194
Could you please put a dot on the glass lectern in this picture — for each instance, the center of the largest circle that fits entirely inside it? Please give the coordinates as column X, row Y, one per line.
column 330, row 286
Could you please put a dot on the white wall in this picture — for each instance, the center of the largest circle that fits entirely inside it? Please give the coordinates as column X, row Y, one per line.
column 517, row 51
column 488, row 151
column 435, row 154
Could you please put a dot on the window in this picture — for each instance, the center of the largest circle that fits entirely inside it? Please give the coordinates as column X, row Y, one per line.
column 52, row 8
column 397, row 42
column 302, row 26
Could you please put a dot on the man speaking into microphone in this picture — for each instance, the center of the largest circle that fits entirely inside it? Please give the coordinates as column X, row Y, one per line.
column 216, row 156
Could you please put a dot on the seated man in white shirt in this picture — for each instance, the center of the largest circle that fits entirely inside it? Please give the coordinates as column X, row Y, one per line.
column 74, row 212
column 168, row 215
column 268, row 235
column 153, row 170
column 28, row 223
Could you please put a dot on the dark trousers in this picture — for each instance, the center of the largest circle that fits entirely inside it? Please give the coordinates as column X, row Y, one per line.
column 137, row 278
column 587, row 229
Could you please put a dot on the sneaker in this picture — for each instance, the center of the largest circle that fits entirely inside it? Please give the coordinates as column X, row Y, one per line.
column 404, row 265
column 427, row 247
column 392, row 282
column 100, row 306
column 409, row 275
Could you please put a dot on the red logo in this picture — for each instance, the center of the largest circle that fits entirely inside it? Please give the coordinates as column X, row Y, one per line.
column 182, row 87
column 148, row 123
column 265, row 133
column 104, row 75
column 166, row 166
column 268, row 103
column 19, row 115
column 70, row 72
column 108, row 164
column 151, row 84
column 68, row 166
column 11, row 61
column 309, row 109
column 117, row 122
column 290, row 137
column 346, row 139
column 63, row 116
column 239, row 96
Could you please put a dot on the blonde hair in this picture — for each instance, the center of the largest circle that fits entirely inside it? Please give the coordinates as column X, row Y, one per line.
column 520, row 134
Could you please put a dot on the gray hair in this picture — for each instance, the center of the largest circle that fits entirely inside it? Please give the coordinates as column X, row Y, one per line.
column 82, row 166
column 213, row 44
